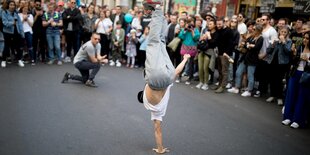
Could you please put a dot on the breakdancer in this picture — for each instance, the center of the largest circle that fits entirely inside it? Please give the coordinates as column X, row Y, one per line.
column 159, row 71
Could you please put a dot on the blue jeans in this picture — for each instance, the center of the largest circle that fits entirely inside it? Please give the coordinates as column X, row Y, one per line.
column 297, row 100
column 28, row 38
column 53, row 42
column 250, row 72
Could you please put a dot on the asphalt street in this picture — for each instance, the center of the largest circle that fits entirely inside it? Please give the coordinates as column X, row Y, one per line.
column 41, row 116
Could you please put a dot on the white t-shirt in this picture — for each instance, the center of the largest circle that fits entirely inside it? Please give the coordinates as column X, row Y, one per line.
column 26, row 26
column 158, row 111
column 302, row 64
column 136, row 23
column 269, row 36
column 242, row 29
column 104, row 25
column 115, row 20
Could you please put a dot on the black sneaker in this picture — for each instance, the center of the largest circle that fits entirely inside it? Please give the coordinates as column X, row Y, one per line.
column 65, row 78
column 90, row 83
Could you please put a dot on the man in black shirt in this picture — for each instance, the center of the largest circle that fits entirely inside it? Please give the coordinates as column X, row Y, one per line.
column 224, row 46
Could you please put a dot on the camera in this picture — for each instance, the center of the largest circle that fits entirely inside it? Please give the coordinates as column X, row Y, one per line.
column 190, row 26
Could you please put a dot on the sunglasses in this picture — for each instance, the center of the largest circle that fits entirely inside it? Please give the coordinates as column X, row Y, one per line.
column 263, row 19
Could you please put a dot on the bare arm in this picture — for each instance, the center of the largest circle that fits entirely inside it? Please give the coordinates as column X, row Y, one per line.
column 180, row 67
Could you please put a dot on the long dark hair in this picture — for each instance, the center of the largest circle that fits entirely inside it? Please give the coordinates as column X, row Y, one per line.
column 6, row 4
column 307, row 33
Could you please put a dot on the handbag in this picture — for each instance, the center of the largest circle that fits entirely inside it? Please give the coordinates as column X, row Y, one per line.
column 202, row 45
column 305, row 77
column 173, row 45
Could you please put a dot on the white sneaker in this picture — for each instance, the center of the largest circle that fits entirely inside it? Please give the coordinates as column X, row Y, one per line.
column 294, row 125
column 280, row 102
column 177, row 81
column 286, row 122
column 233, row 90
column 112, row 63
column 246, row 94
column 50, row 62
column 21, row 63
column 270, row 99
column 118, row 64
column 228, row 85
column 67, row 59
column 196, row 74
column 3, row 64
column 217, row 83
column 205, row 87
column 199, row 85
column 187, row 83
column 62, row 55
column 59, row 62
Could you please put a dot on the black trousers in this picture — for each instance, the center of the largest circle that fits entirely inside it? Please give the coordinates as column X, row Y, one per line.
column 84, row 67
column 105, row 45
column 261, row 75
column 72, row 42
column 276, row 75
column 39, row 40
column 12, row 42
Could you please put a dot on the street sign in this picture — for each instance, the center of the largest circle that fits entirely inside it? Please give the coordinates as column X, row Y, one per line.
column 267, row 6
column 302, row 7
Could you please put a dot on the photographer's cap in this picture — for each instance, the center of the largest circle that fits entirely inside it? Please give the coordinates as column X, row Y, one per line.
column 60, row 3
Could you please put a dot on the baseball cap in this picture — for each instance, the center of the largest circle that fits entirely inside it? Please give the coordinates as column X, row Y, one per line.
column 60, row 3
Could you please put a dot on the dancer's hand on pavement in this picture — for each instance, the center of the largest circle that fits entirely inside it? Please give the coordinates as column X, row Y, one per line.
column 164, row 150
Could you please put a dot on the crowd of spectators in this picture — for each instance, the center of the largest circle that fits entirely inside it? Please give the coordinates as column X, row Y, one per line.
column 253, row 57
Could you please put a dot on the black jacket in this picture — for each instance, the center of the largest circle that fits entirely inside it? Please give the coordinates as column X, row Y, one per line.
column 75, row 18
column 225, row 42
column 251, row 57
column 121, row 19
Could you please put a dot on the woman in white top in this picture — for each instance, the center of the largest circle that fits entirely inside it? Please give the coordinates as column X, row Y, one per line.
column 297, row 95
column 103, row 26
column 27, row 20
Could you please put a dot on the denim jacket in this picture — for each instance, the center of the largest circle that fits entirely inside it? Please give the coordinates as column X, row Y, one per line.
column 1, row 34
column 8, row 23
column 284, row 52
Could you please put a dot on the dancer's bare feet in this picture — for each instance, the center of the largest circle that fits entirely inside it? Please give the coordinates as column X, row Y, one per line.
column 161, row 151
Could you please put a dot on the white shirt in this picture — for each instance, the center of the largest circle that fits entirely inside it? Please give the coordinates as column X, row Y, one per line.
column 136, row 23
column 242, row 29
column 104, row 25
column 26, row 26
column 115, row 20
column 302, row 64
column 269, row 36
column 158, row 110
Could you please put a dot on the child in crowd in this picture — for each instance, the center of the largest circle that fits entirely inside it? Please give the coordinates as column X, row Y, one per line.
column 118, row 36
column 143, row 41
column 131, row 48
